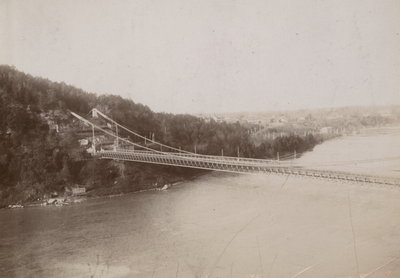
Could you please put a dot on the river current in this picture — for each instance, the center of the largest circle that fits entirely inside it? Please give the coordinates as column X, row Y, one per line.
column 225, row 225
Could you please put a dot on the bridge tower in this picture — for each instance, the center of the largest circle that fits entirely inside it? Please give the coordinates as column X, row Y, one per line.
column 93, row 141
column 94, row 113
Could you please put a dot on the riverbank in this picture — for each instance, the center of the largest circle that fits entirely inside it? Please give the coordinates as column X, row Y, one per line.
column 113, row 190
column 109, row 178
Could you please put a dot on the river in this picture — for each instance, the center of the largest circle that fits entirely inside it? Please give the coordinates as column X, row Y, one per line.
column 225, row 225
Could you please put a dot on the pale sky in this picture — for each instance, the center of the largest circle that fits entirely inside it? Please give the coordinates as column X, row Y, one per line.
column 191, row 56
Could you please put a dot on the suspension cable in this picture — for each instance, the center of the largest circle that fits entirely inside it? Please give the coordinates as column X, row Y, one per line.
column 112, row 134
column 138, row 135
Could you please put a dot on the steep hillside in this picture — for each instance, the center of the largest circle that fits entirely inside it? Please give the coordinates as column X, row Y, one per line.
column 40, row 153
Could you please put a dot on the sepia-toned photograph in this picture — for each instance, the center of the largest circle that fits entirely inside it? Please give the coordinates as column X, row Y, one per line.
column 204, row 139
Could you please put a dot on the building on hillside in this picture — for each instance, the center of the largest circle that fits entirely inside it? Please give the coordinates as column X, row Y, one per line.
column 78, row 191
column 326, row 130
column 83, row 142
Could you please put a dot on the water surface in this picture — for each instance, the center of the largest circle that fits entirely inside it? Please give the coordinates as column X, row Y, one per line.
column 221, row 225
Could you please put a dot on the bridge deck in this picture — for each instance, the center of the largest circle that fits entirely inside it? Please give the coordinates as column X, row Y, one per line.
column 237, row 165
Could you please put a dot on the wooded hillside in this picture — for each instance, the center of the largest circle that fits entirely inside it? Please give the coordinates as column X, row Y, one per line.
column 40, row 154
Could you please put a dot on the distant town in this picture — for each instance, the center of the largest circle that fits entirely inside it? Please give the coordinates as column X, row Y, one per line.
column 328, row 122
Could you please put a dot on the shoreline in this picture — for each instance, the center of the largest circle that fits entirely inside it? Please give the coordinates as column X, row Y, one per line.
column 71, row 200
column 112, row 192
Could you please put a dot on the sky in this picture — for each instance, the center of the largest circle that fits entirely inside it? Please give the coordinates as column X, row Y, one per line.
column 191, row 56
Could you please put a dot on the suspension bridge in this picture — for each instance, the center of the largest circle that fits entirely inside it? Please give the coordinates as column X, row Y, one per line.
column 150, row 151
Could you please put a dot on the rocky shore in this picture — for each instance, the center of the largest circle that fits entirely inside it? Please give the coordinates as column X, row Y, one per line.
column 67, row 197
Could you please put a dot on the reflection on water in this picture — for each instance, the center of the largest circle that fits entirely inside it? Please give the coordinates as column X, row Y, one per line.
column 220, row 225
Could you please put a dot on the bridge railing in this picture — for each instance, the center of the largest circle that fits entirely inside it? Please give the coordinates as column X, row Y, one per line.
column 240, row 166
column 208, row 162
column 211, row 158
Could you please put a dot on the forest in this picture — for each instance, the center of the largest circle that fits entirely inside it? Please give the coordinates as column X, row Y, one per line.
column 40, row 154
